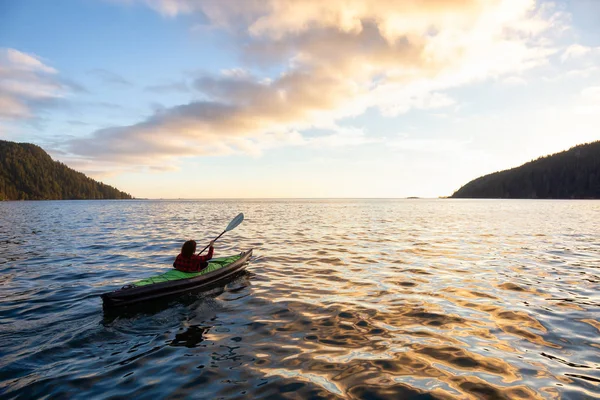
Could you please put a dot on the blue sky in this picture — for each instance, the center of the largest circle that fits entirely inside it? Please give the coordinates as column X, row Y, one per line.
column 204, row 98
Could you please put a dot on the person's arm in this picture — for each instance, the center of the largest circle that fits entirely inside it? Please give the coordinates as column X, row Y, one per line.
column 209, row 255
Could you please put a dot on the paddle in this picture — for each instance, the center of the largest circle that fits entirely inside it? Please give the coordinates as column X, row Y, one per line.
column 232, row 225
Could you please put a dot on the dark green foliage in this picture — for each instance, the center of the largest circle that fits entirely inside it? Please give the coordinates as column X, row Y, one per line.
column 571, row 174
column 28, row 173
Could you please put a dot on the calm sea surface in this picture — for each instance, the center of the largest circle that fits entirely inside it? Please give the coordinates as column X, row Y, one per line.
column 342, row 299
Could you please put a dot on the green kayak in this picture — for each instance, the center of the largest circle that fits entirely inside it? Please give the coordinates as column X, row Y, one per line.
column 173, row 282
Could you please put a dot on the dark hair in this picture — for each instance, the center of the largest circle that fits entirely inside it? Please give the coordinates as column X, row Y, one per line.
column 188, row 248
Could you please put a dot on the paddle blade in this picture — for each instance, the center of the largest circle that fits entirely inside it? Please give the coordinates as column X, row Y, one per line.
column 235, row 222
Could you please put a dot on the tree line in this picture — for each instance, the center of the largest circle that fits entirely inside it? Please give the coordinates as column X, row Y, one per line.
column 28, row 173
column 571, row 174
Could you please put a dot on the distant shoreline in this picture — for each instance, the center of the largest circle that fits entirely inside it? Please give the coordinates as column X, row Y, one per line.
column 296, row 199
column 573, row 174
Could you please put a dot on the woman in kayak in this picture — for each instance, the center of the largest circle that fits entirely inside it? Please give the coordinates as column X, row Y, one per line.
column 187, row 261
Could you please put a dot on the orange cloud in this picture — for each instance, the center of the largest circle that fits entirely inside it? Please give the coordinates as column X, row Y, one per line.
column 340, row 57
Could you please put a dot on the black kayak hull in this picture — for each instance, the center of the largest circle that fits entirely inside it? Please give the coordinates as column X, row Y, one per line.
column 137, row 295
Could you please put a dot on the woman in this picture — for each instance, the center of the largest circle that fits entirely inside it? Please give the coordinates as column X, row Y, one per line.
column 187, row 261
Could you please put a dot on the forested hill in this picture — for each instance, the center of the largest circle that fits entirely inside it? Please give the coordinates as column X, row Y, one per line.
column 571, row 174
column 28, row 173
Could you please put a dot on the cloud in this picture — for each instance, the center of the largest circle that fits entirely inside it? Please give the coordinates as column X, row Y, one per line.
column 575, row 51
column 585, row 72
column 110, row 77
column 11, row 107
column 169, row 8
column 342, row 137
column 26, row 62
column 242, row 115
column 339, row 58
column 576, row 61
column 26, row 83
column 164, row 168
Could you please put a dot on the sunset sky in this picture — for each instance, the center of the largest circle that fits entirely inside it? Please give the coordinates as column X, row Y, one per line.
column 313, row 98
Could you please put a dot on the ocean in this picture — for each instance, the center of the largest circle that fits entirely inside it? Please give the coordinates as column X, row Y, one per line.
column 343, row 298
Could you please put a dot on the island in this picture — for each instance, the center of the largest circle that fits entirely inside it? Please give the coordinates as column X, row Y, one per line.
column 27, row 172
column 570, row 174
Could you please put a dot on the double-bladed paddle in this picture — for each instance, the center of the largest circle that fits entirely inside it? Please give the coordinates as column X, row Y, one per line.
column 232, row 225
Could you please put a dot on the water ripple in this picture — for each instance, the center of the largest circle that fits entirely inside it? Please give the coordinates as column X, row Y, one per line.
column 418, row 299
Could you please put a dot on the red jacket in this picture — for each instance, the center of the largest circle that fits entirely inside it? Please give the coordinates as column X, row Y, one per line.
column 195, row 263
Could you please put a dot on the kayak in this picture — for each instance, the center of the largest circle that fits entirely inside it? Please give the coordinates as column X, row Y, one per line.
column 174, row 282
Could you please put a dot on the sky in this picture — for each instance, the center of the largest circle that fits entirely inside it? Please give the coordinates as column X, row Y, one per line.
column 298, row 99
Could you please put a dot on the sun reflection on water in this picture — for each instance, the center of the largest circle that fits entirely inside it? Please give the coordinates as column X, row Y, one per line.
column 344, row 298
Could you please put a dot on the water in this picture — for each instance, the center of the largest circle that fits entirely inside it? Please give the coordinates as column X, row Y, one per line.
column 343, row 299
